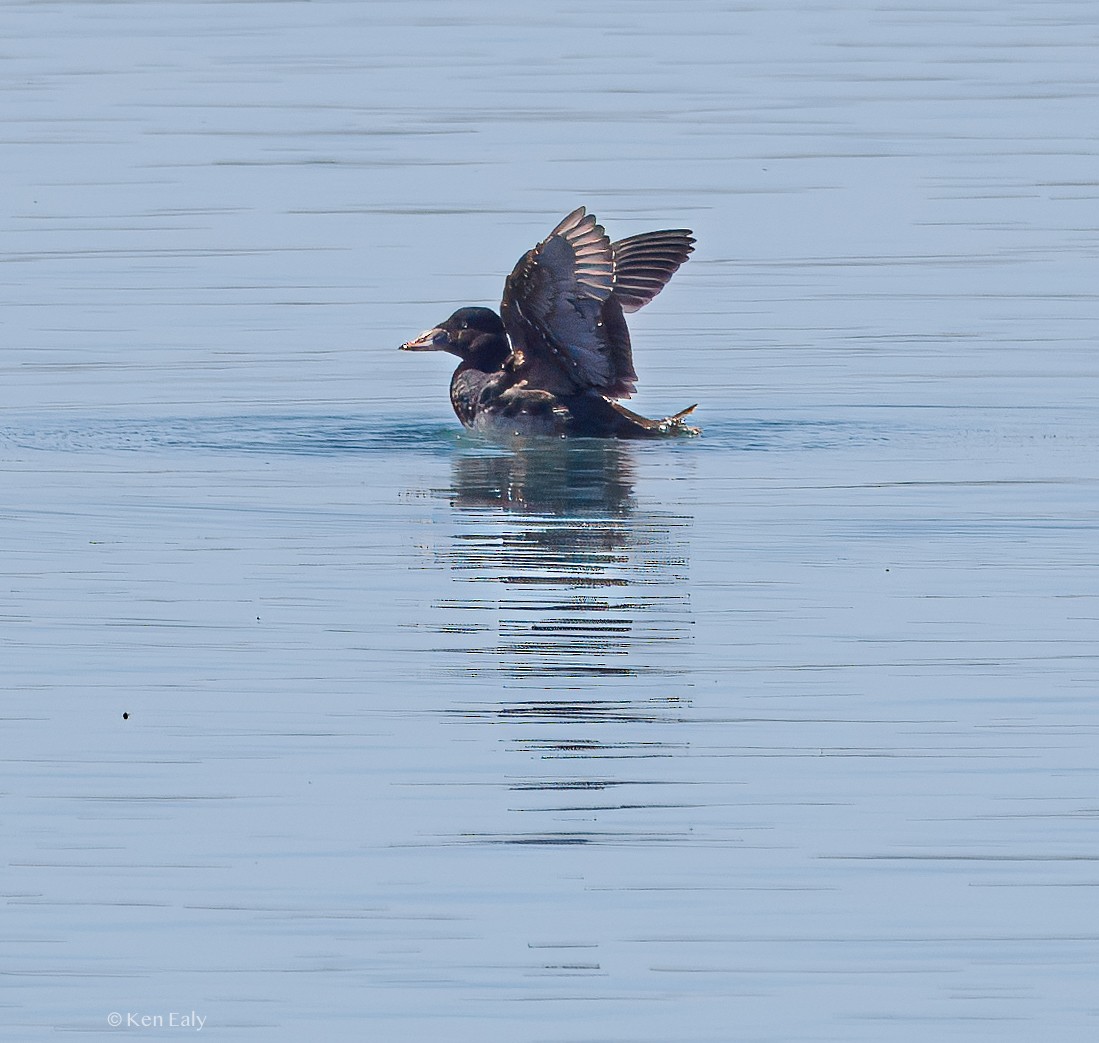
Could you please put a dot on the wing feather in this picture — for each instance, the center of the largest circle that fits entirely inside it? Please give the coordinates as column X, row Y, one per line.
column 552, row 308
column 564, row 300
column 644, row 263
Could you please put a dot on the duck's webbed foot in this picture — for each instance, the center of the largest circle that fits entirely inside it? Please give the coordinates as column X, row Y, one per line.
column 634, row 425
column 676, row 425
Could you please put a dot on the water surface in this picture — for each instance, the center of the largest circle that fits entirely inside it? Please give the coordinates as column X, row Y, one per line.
column 324, row 717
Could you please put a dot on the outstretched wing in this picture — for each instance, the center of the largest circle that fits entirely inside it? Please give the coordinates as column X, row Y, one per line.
column 553, row 309
column 564, row 301
column 644, row 263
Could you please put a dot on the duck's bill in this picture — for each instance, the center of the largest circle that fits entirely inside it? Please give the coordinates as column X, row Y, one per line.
column 430, row 340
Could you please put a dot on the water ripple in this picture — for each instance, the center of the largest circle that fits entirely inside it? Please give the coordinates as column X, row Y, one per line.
column 321, row 435
column 290, row 434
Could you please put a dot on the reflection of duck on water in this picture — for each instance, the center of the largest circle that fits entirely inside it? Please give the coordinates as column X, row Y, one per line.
column 586, row 584
column 551, row 478
column 567, row 605
column 558, row 355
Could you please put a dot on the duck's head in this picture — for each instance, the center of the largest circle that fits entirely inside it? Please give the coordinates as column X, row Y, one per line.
column 473, row 334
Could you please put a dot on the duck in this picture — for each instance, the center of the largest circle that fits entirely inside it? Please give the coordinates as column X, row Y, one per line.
column 556, row 360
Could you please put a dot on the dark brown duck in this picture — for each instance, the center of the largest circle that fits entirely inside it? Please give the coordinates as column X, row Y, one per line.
column 557, row 357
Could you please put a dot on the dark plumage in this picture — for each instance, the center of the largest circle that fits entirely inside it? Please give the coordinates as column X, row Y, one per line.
column 558, row 355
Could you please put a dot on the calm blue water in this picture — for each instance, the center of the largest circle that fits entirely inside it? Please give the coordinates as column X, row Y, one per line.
column 322, row 718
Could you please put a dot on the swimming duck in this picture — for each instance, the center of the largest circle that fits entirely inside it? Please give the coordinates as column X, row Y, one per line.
column 557, row 357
